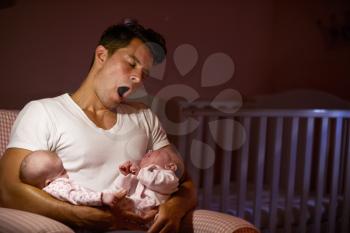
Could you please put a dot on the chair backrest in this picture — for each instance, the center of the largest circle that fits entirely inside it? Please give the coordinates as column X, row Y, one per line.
column 7, row 117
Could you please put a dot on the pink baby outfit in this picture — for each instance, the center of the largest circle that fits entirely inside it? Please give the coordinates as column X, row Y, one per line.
column 150, row 188
column 67, row 190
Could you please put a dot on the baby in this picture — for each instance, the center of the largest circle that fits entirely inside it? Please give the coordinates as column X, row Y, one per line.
column 151, row 181
column 44, row 169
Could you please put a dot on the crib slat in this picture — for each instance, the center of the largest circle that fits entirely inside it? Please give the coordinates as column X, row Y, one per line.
column 225, row 181
column 321, row 173
column 346, row 202
column 277, row 152
column 306, row 173
column 182, row 139
column 335, row 175
column 243, row 169
column 291, row 174
column 225, row 137
column 194, row 171
column 260, row 171
column 208, row 177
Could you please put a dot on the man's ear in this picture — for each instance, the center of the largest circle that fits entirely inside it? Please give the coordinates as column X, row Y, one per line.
column 171, row 166
column 101, row 54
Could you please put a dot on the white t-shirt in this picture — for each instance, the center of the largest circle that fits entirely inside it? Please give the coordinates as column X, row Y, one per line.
column 91, row 155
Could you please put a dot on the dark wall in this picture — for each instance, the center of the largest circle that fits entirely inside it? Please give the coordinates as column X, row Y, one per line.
column 46, row 46
column 311, row 46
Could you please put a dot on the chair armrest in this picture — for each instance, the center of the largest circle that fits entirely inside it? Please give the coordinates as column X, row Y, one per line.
column 208, row 221
column 18, row 221
column 198, row 221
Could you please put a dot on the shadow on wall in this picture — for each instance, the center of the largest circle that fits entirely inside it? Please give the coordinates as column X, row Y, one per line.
column 298, row 99
column 7, row 3
column 336, row 29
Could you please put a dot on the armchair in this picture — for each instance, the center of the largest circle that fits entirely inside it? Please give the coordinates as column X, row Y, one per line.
column 11, row 220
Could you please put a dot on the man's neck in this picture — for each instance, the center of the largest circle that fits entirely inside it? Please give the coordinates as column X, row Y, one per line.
column 86, row 97
column 89, row 102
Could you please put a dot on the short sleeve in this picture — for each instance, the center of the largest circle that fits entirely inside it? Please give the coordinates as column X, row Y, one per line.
column 158, row 135
column 32, row 129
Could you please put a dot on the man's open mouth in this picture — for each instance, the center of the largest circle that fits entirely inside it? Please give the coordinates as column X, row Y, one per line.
column 122, row 90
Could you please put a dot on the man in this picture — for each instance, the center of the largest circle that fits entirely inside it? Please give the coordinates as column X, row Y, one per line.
column 93, row 131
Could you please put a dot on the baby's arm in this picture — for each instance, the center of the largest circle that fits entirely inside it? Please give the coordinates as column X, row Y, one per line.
column 124, row 182
column 158, row 179
column 64, row 190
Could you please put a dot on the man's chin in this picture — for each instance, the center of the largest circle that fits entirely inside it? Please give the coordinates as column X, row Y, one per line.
column 112, row 105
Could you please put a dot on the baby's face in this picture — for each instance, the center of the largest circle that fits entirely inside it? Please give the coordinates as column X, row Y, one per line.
column 57, row 171
column 154, row 157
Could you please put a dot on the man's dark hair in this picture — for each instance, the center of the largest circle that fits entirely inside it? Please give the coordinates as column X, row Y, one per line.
column 119, row 36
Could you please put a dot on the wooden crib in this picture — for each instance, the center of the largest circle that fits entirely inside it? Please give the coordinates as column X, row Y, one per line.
column 288, row 172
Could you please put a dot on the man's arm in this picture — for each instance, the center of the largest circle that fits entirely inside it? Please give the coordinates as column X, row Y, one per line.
column 17, row 195
column 174, row 209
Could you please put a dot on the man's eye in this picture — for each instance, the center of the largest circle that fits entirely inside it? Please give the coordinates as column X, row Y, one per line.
column 132, row 65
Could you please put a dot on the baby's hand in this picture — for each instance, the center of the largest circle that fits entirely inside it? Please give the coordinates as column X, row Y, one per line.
column 134, row 169
column 125, row 168
column 112, row 199
column 129, row 167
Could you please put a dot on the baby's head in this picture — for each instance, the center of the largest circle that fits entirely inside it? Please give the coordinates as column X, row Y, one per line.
column 167, row 158
column 39, row 168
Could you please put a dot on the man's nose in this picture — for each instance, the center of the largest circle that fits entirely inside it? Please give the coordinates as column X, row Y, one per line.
column 136, row 76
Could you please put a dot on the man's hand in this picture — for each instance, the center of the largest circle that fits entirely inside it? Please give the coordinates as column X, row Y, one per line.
column 132, row 221
column 167, row 221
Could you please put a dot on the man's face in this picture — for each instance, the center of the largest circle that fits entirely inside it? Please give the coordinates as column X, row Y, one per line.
column 126, row 67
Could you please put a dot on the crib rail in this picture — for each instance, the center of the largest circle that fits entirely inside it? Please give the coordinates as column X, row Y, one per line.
column 291, row 173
